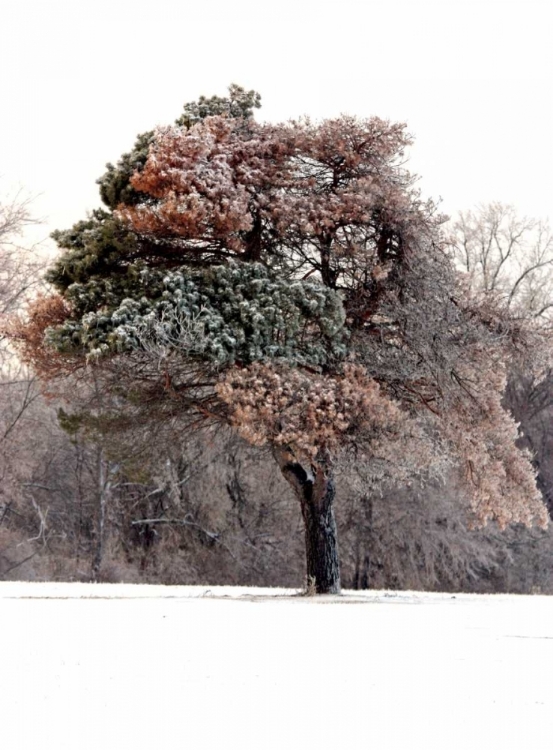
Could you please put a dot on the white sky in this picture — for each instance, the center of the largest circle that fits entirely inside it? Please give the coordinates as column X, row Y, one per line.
column 472, row 78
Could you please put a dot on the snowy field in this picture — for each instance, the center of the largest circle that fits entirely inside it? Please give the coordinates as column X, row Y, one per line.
column 112, row 667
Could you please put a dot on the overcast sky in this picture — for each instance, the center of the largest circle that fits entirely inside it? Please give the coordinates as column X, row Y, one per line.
column 472, row 79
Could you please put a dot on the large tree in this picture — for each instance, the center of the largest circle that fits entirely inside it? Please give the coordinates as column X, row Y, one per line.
column 289, row 281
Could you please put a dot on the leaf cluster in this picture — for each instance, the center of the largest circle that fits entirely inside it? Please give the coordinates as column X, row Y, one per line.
column 115, row 183
column 227, row 314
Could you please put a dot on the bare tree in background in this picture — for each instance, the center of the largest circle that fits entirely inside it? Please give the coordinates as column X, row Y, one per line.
column 511, row 257
column 508, row 255
column 20, row 274
column 20, row 265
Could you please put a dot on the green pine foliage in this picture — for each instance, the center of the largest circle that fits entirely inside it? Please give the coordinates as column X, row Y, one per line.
column 115, row 187
column 237, row 313
column 239, row 103
column 94, row 248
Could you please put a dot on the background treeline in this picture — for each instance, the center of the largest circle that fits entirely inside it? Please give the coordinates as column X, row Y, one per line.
column 156, row 506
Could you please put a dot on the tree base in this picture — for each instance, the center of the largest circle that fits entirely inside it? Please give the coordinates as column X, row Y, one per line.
column 315, row 489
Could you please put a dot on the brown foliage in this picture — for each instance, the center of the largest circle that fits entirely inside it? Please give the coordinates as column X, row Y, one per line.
column 317, row 196
column 27, row 332
column 308, row 412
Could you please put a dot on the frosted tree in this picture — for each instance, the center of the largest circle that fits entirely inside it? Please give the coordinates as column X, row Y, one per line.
column 288, row 280
column 510, row 257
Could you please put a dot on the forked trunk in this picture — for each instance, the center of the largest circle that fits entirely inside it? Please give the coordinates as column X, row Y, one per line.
column 314, row 487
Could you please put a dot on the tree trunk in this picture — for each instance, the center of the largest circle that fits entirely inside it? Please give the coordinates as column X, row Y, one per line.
column 104, row 486
column 314, row 487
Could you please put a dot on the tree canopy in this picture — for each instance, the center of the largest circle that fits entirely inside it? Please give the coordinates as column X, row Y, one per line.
column 289, row 280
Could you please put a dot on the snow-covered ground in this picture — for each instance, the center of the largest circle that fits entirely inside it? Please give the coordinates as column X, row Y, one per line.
column 112, row 667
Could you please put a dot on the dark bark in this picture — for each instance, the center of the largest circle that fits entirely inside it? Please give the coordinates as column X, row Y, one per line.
column 328, row 274
column 363, row 561
column 315, row 489
column 104, row 486
column 253, row 241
